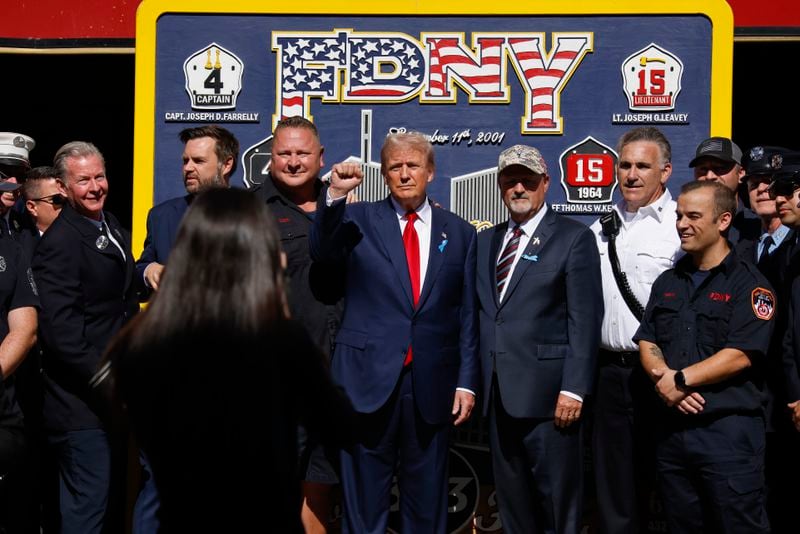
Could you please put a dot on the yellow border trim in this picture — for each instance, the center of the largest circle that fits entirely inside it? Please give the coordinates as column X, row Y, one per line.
column 717, row 11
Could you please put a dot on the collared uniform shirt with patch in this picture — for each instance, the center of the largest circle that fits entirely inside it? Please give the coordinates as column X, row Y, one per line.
column 733, row 307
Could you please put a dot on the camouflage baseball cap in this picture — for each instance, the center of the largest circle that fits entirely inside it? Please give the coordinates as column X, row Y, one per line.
column 527, row 156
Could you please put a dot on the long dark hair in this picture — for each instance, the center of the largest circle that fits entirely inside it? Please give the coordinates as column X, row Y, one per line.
column 224, row 272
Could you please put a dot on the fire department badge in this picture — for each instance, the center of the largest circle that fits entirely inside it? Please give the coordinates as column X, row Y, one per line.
column 763, row 302
column 2, row 264
column 756, row 153
column 652, row 79
column 255, row 162
column 588, row 172
column 213, row 78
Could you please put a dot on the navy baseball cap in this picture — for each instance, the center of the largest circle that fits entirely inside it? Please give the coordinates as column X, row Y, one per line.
column 767, row 160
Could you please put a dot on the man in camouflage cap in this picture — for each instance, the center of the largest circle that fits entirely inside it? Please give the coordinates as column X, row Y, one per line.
column 522, row 155
column 540, row 302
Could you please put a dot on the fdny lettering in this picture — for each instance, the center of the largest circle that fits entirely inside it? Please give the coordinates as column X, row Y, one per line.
column 719, row 297
column 392, row 67
column 669, row 295
column 283, row 220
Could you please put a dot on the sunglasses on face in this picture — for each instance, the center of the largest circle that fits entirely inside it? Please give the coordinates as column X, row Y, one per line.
column 11, row 173
column 56, row 199
column 782, row 188
column 754, row 180
column 719, row 169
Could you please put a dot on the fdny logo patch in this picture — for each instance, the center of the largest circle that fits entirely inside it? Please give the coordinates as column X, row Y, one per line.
column 763, row 302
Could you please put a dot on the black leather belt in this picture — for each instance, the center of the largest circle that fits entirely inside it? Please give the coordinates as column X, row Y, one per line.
column 623, row 358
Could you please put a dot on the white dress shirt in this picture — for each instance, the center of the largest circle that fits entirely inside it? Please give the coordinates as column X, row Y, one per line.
column 647, row 245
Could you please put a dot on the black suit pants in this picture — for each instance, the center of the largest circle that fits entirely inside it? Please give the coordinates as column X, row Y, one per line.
column 623, row 449
column 538, row 472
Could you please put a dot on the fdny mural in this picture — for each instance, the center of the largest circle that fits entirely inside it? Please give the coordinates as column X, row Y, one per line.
column 473, row 80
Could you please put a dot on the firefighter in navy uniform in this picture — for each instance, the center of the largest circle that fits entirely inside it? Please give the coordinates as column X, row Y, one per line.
column 18, row 304
column 771, row 252
column 785, row 188
column 15, row 151
column 703, row 341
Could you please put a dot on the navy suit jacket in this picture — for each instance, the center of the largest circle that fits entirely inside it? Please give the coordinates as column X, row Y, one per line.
column 163, row 221
column 543, row 338
column 380, row 321
column 87, row 293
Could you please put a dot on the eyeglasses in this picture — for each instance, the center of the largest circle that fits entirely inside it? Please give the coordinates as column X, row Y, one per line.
column 56, row 200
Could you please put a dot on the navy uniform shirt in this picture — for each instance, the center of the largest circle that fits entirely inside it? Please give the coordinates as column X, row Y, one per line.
column 315, row 288
column 17, row 290
column 732, row 307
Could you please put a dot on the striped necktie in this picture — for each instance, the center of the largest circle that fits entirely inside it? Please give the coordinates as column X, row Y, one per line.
column 506, row 259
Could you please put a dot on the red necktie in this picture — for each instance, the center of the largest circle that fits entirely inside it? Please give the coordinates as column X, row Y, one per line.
column 411, row 244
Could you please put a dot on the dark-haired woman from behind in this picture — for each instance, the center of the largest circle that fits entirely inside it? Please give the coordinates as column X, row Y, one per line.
column 215, row 376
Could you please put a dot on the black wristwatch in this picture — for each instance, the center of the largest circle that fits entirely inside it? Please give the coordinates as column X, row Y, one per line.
column 680, row 381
